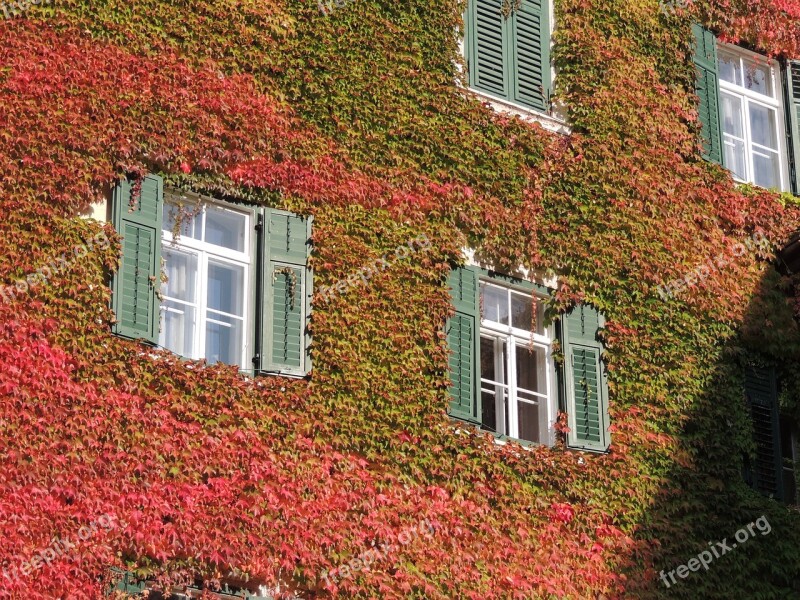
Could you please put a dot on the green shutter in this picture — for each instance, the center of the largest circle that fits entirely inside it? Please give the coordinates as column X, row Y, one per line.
column 705, row 60
column 286, row 294
column 586, row 391
column 490, row 56
column 531, row 43
column 762, row 395
column 136, row 283
column 792, row 89
column 463, row 336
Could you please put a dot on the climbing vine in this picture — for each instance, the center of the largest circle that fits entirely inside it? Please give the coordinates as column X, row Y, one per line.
column 354, row 115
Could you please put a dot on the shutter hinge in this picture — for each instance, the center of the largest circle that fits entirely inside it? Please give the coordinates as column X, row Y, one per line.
column 259, row 222
column 256, row 359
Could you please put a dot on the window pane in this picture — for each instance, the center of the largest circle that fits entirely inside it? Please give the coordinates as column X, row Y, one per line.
column 178, row 308
column 226, row 288
column 529, row 422
column 531, row 373
column 189, row 222
column 730, row 68
column 732, row 115
column 487, row 359
column 766, row 169
column 226, row 228
column 492, row 395
column 735, row 157
column 223, row 339
column 758, row 78
column 495, row 304
column 521, row 311
column 763, row 128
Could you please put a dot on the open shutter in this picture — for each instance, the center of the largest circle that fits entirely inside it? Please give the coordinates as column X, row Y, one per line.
column 463, row 332
column 705, row 60
column 136, row 283
column 489, row 58
column 762, row 395
column 531, row 43
column 286, row 294
column 792, row 90
column 584, row 380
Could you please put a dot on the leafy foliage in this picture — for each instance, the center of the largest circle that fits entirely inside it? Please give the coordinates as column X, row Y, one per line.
column 355, row 117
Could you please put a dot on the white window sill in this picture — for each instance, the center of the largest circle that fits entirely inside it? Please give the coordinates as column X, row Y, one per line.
column 530, row 115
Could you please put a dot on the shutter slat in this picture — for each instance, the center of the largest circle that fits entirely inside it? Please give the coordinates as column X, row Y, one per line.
column 134, row 285
column 707, row 89
column 490, row 57
column 462, row 340
column 762, row 396
column 584, row 382
column 531, row 40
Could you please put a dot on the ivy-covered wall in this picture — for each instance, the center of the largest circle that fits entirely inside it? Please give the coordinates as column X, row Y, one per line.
column 357, row 117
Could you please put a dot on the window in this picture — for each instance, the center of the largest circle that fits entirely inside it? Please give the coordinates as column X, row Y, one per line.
column 205, row 305
column 789, row 460
column 741, row 114
column 516, row 383
column 508, row 50
column 502, row 366
column 751, row 118
column 237, row 287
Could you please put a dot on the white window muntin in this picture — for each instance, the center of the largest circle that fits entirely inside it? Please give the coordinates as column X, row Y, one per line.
column 507, row 339
column 749, row 82
column 192, row 243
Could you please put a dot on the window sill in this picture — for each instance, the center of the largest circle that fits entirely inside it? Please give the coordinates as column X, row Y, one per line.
column 530, row 115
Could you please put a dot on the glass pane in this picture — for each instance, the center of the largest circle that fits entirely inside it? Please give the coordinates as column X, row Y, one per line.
column 180, row 294
column 487, row 359
column 732, row 115
column 766, row 169
column 758, row 78
column 521, row 311
column 495, row 303
column 226, row 228
column 189, row 221
column 531, row 373
column 763, row 130
column 226, row 288
column 730, row 68
column 529, row 422
column 489, row 410
column 224, row 341
column 735, row 157
column 179, row 325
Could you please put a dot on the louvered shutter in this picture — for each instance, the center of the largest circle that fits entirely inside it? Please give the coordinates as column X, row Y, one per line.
column 792, row 89
column 136, row 283
column 463, row 332
column 705, row 60
column 531, row 44
column 762, row 396
column 286, row 293
column 584, row 380
column 490, row 53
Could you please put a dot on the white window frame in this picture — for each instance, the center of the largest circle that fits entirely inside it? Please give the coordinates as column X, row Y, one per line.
column 555, row 121
column 513, row 337
column 205, row 251
column 746, row 96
